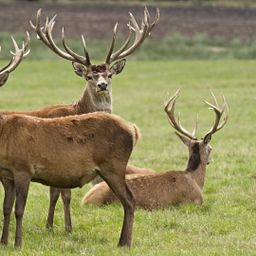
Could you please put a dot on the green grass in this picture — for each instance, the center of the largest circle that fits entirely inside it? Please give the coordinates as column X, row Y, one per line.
column 223, row 225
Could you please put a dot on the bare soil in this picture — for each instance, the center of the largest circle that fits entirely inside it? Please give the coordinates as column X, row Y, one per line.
column 96, row 21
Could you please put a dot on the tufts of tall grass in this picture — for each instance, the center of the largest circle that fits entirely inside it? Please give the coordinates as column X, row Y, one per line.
column 175, row 47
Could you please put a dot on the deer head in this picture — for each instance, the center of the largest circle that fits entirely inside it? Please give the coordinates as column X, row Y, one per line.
column 98, row 76
column 18, row 55
column 199, row 150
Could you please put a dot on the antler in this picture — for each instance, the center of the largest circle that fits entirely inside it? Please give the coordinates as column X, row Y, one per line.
column 18, row 55
column 219, row 112
column 169, row 109
column 45, row 34
column 140, row 34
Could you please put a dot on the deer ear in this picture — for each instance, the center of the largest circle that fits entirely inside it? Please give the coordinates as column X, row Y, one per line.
column 3, row 78
column 78, row 68
column 207, row 138
column 184, row 139
column 117, row 67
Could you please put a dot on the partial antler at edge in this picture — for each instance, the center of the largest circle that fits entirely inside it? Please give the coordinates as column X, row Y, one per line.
column 18, row 55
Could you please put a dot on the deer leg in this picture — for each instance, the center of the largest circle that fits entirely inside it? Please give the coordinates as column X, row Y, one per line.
column 54, row 196
column 66, row 198
column 9, row 196
column 21, row 182
column 116, row 182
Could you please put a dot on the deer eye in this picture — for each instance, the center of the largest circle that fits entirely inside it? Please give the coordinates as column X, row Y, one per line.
column 109, row 75
column 89, row 77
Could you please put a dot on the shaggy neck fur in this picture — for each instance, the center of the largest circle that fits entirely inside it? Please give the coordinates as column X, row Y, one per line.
column 91, row 101
column 196, row 167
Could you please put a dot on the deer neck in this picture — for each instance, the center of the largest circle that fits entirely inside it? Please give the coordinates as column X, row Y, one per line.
column 196, row 167
column 90, row 101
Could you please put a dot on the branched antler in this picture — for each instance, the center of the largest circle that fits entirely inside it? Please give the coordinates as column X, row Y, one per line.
column 218, row 112
column 217, row 125
column 18, row 55
column 141, row 33
column 45, row 34
column 169, row 109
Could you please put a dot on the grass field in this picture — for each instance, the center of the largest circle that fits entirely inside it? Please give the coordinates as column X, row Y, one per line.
column 224, row 225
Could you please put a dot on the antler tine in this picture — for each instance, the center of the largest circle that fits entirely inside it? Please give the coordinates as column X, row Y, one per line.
column 140, row 34
column 214, row 98
column 77, row 58
column 155, row 21
column 44, row 28
column 112, row 44
column 40, row 31
column 134, row 22
column 169, row 109
column 17, row 55
column 146, row 16
column 85, row 51
column 53, row 46
column 218, row 114
column 225, row 118
column 26, row 45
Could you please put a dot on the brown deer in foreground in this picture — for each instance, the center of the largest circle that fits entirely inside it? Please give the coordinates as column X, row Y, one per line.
column 97, row 96
column 67, row 152
column 171, row 187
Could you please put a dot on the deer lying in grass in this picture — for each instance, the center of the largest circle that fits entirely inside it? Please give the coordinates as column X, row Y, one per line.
column 162, row 189
column 97, row 96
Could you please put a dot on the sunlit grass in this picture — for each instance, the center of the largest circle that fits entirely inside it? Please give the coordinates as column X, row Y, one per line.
column 223, row 225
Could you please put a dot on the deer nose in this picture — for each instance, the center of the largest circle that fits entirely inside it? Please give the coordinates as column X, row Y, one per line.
column 103, row 86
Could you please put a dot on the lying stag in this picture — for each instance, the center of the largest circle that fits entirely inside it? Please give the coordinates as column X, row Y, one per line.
column 162, row 189
column 97, row 96
column 67, row 152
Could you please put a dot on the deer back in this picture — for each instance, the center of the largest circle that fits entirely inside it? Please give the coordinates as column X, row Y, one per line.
column 64, row 146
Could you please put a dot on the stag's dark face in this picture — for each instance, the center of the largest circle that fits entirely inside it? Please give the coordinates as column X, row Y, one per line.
column 199, row 152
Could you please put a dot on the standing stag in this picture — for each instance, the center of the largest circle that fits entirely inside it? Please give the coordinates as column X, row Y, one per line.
column 98, row 93
column 97, row 96
column 172, row 187
column 64, row 152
